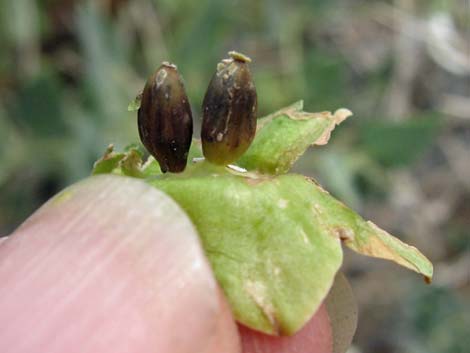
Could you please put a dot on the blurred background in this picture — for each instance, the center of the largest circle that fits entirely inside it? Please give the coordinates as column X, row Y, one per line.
column 68, row 69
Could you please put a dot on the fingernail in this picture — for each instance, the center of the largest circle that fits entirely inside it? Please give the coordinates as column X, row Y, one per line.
column 108, row 265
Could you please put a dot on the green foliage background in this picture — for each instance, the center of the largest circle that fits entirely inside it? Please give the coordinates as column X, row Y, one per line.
column 68, row 69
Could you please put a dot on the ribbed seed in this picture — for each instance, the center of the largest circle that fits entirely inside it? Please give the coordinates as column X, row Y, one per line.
column 165, row 120
column 229, row 111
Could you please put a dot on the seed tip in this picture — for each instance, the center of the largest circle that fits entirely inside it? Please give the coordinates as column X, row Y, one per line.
column 169, row 65
column 239, row 56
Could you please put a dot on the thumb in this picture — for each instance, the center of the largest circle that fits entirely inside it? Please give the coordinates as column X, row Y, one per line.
column 108, row 265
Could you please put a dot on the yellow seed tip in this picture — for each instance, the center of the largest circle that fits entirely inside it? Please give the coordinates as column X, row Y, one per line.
column 239, row 56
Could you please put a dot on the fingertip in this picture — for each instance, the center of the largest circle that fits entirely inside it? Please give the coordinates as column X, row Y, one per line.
column 227, row 339
column 314, row 337
column 109, row 265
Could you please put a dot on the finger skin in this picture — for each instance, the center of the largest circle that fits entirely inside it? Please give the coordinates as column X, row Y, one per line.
column 108, row 265
column 227, row 337
column 314, row 337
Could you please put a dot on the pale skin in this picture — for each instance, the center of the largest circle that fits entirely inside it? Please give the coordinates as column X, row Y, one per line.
column 109, row 267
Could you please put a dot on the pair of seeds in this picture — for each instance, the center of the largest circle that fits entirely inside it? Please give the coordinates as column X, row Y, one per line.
column 229, row 115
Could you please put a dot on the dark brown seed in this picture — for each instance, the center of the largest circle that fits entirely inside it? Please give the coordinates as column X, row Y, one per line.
column 229, row 111
column 165, row 119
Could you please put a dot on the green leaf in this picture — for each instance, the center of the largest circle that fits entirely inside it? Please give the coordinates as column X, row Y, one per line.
column 135, row 104
column 366, row 238
column 128, row 163
column 284, row 136
column 131, row 164
column 273, row 259
column 372, row 241
column 151, row 168
column 110, row 161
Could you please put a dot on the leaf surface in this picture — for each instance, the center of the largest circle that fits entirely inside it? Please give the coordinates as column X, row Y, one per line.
column 283, row 136
column 274, row 261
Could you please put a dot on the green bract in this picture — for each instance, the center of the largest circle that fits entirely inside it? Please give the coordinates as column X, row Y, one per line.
column 273, row 239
